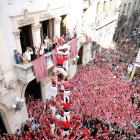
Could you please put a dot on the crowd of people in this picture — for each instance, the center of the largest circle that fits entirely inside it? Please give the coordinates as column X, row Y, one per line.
column 97, row 104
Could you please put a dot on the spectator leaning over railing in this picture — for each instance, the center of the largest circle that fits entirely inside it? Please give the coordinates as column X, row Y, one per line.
column 28, row 53
column 18, row 57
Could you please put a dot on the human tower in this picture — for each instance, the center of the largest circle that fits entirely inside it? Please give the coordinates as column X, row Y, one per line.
column 60, row 84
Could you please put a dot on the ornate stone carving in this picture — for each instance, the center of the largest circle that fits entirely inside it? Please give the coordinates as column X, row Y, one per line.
column 3, row 90
column 36, row 27
column 16, row 34
column 11, row 84
column 57, row 19
column 45, row 16
column 26, row 20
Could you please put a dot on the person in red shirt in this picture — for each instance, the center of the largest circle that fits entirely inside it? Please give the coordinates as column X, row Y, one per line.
column 65, row 51
column 52, row 106
column 59, row 64
column 66, row 127
column 66, row 107
column 52, row 123
column 66, row 87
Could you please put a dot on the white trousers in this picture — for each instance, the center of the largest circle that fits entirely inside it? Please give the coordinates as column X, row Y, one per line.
column 52, row 126
column 65, row 133
column 67, row 114
column 66, row 64
column 53, row 91
column 61, row 70
column 66, row 95
column 53, row 109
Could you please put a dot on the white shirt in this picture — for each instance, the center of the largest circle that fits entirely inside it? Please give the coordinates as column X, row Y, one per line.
column 28, row 55
column 42, row 50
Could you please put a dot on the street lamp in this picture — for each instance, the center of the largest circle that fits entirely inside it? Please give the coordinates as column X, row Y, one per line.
column 19, row 104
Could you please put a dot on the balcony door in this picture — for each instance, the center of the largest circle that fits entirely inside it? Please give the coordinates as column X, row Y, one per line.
column 26, row 37
column 2, row 126
column 63, row 25
column 47, row 29
column 33, row 89
column 80, row 54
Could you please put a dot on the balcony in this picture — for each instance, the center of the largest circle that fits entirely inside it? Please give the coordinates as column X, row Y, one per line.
column 49, row 61
column 105, row 19
column 25, row 72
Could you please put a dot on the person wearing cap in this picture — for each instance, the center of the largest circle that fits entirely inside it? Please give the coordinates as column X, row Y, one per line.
column 53, row 88
column 65, row 51
column 66, row 128
column 52, row 123
column 52, row 106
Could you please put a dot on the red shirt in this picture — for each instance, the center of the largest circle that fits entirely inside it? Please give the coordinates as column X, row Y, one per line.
column 53, row 80
column 60, row 60
column 53, row 103
column 52, row 119
column 66, row 124
column 66, row 105
column 47, row 123
column 66, row 84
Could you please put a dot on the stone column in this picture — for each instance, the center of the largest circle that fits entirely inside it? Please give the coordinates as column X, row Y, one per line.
column 36, row 34
column 43, row 94
column 57, row 26
column 17, row 38
column 133, row 72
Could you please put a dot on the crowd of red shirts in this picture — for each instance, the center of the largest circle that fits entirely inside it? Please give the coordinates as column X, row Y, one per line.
column 101, row 104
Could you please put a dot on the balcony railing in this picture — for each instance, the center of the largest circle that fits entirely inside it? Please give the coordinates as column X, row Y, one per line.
column 25, row 72
column 105, row 18
column 49, row 61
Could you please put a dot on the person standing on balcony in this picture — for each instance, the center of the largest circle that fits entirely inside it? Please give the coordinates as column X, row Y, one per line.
column 28, row 53
column 17, row 57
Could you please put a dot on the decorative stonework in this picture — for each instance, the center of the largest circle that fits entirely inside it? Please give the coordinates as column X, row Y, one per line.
column 16, row 34
column 57, row 20
column 26, row 20
column 36, row 27
column 3, row 90
column 45, row 16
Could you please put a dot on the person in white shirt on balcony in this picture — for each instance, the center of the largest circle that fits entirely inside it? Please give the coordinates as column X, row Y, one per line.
column 28, row 53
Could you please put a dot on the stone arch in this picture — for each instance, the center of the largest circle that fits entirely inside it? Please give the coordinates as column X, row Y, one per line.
column 4, row 113
column 23, row 90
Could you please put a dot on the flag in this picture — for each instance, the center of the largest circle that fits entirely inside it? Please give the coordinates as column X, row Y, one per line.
column 39, row 68
column 73, row 48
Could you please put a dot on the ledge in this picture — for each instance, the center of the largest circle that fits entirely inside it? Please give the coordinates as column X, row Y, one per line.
column 25, row 72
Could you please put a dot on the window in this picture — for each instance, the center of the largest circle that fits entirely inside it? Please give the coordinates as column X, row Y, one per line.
column 128, row 9
column 104, row 6
column 124, row 7
column 98, row 6
column 138, row 5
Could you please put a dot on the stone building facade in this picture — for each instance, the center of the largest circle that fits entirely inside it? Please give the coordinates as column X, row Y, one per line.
column 29, row 17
